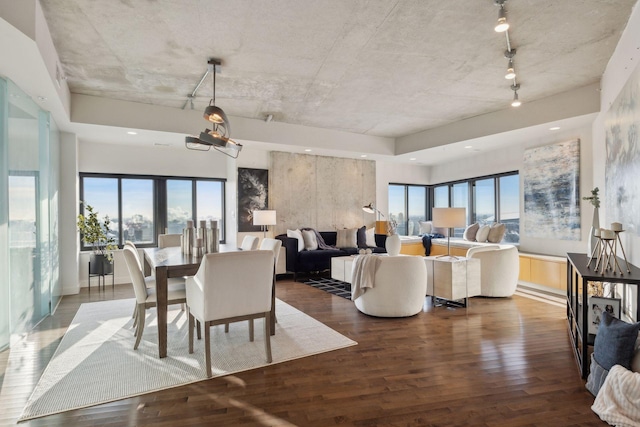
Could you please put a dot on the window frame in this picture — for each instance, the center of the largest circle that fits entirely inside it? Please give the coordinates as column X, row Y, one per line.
column 159, row 202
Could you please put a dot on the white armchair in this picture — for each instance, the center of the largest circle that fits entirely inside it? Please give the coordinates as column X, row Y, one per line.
column 499, row 269
column 231, row 287
column 399, row 288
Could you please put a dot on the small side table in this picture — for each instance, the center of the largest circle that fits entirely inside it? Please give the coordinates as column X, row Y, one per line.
column 453, row 279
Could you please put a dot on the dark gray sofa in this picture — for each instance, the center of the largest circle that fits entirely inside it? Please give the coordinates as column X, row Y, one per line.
column 319, row 260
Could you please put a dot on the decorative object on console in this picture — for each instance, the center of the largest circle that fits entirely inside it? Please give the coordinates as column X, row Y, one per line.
column 595, row 222
column 598, row 306
column 253, row 195
column 449, row 218
column 607, row 259
column 616, row 227
column 264, row 219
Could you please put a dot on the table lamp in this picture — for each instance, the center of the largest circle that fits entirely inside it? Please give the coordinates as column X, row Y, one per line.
column 449, row 218
column 264, row 218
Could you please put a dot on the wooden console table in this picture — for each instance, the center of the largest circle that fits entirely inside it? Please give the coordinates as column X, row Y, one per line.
column 578, row 277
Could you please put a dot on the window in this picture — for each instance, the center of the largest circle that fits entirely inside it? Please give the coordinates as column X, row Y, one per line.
column 488, row 199
column 141, row 207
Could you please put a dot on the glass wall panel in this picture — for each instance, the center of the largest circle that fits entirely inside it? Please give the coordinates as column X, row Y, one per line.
column 460, row 196
column 5, row 279
column 397, row 207
column 484, row 201
column 138, row 223
column 510, row 207
column 417, row 201
column 179, row 204
column 210, row 203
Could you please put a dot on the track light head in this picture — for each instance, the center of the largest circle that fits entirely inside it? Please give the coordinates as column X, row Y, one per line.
column 502, row 25
column 511, row 73
column 516, row 101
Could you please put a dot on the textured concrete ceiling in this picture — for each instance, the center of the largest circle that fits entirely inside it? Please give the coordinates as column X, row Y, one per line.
column 379, row 67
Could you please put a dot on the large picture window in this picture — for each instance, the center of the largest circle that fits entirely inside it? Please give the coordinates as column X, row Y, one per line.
column 141, row 207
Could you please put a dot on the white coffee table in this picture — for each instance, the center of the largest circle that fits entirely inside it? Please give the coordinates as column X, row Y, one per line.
column 341, row 267
column 453, row 278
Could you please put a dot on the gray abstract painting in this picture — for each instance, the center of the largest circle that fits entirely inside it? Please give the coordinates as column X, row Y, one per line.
column 551, row 177
column 622, row 185
column 253, row 195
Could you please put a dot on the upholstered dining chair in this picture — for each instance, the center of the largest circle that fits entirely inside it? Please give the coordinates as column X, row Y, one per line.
column 249, row 243
column 273, row 245
column 169, row 240
column 231, row 287
column 146, row 295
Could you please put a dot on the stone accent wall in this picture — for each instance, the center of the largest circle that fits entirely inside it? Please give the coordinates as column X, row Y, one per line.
column 325, row 193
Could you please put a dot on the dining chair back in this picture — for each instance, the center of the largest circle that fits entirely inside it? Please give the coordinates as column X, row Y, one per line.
column 249, row 243
column 273, row 245
column 169, row 240
column 231, row 287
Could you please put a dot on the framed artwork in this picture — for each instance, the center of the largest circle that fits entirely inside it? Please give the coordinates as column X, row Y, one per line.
column 551, row 176
column 598, row 305
column 253, row 194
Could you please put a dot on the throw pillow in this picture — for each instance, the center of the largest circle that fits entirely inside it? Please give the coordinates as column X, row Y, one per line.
column 496, row 232
column 310, row 240
column 615, row 342
column 361, row 237
column 426, row 227
column 483, row 233
column 597, row 375
column 296, row 234
column 371, row 237
column 347, row 238
column 470, row 232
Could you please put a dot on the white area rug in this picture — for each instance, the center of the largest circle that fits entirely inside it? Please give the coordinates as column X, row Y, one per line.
column 95, row 362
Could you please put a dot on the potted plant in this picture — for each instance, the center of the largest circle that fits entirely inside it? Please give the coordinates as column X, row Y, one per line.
column 97, row 234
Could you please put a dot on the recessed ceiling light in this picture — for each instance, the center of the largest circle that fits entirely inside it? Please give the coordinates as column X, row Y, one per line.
column 132, row 132
column 307, row 150
column 468, row 146
column 554, row 128
column 42, row 98
column 413, row 158
column 363, row 155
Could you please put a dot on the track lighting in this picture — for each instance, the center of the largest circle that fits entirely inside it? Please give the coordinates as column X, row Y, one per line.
column 502, row 25
column 511, row 73
column 516, row 102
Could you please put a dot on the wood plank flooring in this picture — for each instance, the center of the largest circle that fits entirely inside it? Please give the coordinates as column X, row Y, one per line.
column 502, row 362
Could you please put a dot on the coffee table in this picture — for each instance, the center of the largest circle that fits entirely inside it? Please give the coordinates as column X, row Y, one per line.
column 341, row 267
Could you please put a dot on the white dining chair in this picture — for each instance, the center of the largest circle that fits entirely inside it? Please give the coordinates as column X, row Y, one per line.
column 145, row 292
column 231, row 287
column 169, row 240
column 249, row 243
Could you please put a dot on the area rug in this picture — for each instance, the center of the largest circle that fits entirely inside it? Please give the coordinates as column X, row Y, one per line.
column 333, row 286
column 95, row 362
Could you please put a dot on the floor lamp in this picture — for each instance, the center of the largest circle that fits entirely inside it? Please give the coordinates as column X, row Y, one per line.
column 449, row 218
column 264, row 218
column 382, row 227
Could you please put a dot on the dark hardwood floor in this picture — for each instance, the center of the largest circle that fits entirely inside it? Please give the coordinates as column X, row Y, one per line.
column 502, row 362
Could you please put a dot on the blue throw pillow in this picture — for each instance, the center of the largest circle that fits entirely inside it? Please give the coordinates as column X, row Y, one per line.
column 615, row 342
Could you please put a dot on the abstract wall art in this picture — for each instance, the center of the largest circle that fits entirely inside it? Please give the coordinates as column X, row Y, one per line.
column 253, row 195
column 622, row 167
column 551, row 177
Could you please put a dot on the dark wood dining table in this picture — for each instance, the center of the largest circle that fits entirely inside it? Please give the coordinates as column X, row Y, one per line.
column 171, row 262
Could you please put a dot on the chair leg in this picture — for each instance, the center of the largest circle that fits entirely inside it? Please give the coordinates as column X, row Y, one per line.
column 251, row 330
column 226, row 327
column 190, row 331
column 135, row 320
column 199, row 326
column 267, row 336
column 141, row 316
column 207, row 348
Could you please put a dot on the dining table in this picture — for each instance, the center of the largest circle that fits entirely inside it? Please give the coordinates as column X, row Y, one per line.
column 172, row 262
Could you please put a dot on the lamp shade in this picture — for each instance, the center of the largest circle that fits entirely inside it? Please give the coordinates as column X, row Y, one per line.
column 264, row 218
column 369, row 208
column 449, row 217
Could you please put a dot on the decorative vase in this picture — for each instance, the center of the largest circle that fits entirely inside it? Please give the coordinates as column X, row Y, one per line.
column 595, row 224
column 393, row 244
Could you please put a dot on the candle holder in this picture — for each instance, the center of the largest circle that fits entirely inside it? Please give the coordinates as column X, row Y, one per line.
column 617, row 229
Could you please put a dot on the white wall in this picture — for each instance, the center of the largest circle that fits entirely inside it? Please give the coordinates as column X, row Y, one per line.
column 68, row 211
column 510, row 159
column 623, row 63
